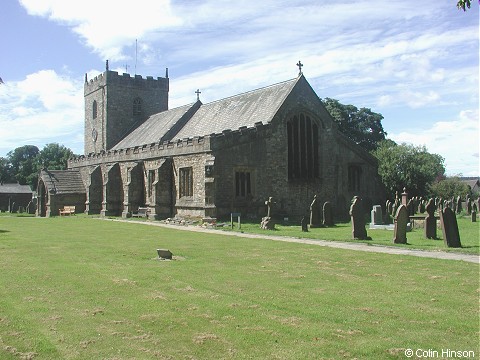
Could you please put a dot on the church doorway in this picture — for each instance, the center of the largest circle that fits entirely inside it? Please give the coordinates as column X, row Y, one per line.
column 136, row 188
column 95, row 192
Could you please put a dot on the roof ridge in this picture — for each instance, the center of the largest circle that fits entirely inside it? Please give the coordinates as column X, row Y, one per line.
column 294, row 80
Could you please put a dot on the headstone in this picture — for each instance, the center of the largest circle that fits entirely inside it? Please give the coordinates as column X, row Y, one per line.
column 358, row 220
column 474, row 212
column 404, row 197
column 430, row 227
column 376, row 215
column 315, row 220
column 469, row 206
column 164, row 254
column 459, row 204
column 304, row 224
column 327, row 214
column 388, row 211
column 267, row 221
column 410, row 209
column 421, row 207
column 451, row 236
column 400, row 229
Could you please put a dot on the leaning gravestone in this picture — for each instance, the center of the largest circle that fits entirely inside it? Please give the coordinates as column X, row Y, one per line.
column 430, row 221
column 327, row 214
column 400, row 229
column 469, row 206
column 448, row 220
column 315, row 220
column 358, row 220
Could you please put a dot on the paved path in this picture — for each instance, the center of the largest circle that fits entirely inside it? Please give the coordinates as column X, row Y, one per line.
column 334, row 244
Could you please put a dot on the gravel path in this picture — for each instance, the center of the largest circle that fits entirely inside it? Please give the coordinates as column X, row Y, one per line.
column 334, row 244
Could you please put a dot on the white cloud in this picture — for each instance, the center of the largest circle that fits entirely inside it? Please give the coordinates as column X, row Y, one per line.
column 107, row 25
column 457, row 140
column 42, row 107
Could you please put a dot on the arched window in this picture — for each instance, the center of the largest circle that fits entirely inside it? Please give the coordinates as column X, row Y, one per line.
column 94, row 109
column 137, row 106
column 302, row 135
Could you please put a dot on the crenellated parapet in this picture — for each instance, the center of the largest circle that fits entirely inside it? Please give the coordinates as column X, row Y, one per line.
column 180, row 147
column 136, row 81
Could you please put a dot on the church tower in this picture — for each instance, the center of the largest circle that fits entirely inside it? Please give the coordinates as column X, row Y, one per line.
column 117, row 104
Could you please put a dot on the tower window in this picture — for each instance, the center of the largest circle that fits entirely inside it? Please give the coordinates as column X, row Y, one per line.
column 137, row 106
column 94, row 109
column 186, row 181
column 302, row 135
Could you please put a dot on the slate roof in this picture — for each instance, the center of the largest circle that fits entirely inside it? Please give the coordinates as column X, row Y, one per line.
column 63, row 181
column 154, row 128
column 233, row 112
column 198, row 119
column 15, row 189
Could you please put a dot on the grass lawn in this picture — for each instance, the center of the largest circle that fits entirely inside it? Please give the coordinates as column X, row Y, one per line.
column 81, row 288
column 469, row 235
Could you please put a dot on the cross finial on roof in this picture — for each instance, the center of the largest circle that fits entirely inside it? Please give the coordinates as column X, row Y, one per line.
column 300, row 65
column 198, row 92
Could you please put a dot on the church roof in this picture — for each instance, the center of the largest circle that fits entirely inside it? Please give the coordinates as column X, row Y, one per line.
column 154, row 128
column 63, row 181
column 233, row 112
column 199, row 119
column 15, row 189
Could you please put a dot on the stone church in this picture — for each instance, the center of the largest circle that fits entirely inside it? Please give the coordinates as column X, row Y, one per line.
column 208, row 160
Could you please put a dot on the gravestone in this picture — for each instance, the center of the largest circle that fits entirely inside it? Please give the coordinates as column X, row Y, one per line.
column 421, row 207
column 267, row 221
column 410, row 207
column 376, row 217
column 474, row 212
column 358, row 219
column 459, row 204
column 315, row 220
column 469, row 206
column 304, row 224
column 400, row 229
column 430, row 227
column 164, row 254
column 451, row 236
column 388, row 211
column 327, row 214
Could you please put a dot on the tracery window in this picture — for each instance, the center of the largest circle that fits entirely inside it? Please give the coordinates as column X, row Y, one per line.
column 137, row 106
column 302, row 134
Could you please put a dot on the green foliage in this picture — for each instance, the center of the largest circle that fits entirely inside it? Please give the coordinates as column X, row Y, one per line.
column 6, row 175
column 23, row 164
column 464, row 4
column 407, row 166
column 54, row 157
column 362, row 126
column 84, row 296
column 448, row 188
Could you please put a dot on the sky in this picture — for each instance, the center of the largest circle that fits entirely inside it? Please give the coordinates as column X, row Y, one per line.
column 415, row 63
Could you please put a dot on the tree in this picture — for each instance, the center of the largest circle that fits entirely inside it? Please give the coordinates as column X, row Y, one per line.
column 407, row 166
column 449, row 187
column 23, row 164
column 53, row 157
column 464, row 4
column 6, row 175
column 362, row 126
